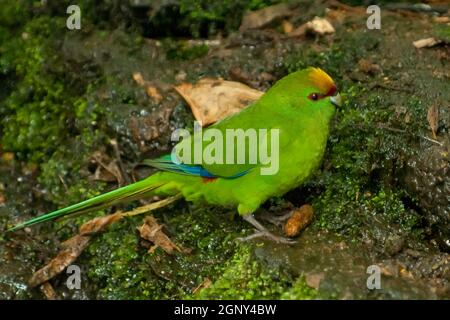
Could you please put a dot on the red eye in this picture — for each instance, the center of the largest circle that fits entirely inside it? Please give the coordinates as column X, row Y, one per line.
column 314, row 96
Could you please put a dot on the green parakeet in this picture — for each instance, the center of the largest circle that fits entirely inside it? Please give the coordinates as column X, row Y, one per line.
column 299, row 107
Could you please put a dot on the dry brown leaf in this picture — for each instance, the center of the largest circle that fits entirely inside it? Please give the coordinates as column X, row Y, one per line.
column 108, row 169
column 48, row 291
column 299, row 220
column 299, row 31
column 152, row 231
column 426, row 43
column 2, row 198
column 263, row 17
column 404, row 273
column 320, row 26
column 153, row 93
column 206, row 283
column 138, row 78
column 368, row 67
column 313, row 279
column 287, row 26
column 441, row 19
column 72, row 248
column 433, row 119
column 151, row 90
column 213, row 99
column 99, row 224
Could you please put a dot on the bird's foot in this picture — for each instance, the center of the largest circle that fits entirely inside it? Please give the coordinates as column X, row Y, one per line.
column 263, row 232
column 276, row 220
column 268, row 235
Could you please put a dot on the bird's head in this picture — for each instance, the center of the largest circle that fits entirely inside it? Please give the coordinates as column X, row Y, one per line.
column 322, row 87
column 310, row 91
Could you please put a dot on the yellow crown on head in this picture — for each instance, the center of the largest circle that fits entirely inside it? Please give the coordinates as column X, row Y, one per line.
column 321, row 80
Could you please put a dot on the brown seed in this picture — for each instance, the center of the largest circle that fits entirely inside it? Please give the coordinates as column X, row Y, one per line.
column 299, row 220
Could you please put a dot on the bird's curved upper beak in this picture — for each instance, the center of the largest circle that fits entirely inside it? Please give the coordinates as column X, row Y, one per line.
column 336, row 100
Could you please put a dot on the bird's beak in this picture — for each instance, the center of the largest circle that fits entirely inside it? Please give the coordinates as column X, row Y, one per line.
column 336, row 100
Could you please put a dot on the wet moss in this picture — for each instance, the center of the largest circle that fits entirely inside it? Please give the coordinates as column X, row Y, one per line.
column 243, row 277
column 442, row 32
column 202, row 18
column 182, row 51
column 358, row 192
column 300, row 291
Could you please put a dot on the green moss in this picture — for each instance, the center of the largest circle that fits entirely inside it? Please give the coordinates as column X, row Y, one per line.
column 180, row 50
column 121, row 268
column 442, row 32
column 245, row 278
column 14, row 13
column 300, row 291
column 40, row 110
column 201, row 18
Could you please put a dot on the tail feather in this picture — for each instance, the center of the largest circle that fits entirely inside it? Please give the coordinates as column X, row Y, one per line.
column 125, row 194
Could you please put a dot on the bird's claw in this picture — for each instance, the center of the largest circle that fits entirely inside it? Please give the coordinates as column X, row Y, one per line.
column 276, row 220
column 268, row 235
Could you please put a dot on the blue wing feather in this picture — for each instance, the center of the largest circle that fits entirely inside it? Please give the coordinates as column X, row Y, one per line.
column 165, row 163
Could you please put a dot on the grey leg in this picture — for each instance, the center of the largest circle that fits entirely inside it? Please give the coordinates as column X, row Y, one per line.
column 263, row 232
column 275, row 220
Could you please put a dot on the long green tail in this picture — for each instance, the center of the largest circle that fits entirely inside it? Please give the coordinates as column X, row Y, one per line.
column 125, row 194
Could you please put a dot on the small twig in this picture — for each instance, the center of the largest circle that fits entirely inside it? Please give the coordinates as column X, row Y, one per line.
column 115, row 146
column 431, row 140
column 74, row 246
column 63, row 182
column 152, row 206
column 381, row 126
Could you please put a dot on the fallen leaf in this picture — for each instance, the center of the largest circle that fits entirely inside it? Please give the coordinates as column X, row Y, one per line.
column 206, row 283
column 404, row 273
column 99, row 224
column 368, row 67
column 441, row 19
column 299, row 31
column 213, row 99
column 151, row 90
column 72, row 248
column 426, row 43
column 433, row 119
column 313, row 279
column 48, row 291
column 287, row 26
column 299, row 220
column 263, row 17
column 108, row 169
column 2, row 198
column 153, row 93
column 320, row 26
column 152, row 231
column 139, row 79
